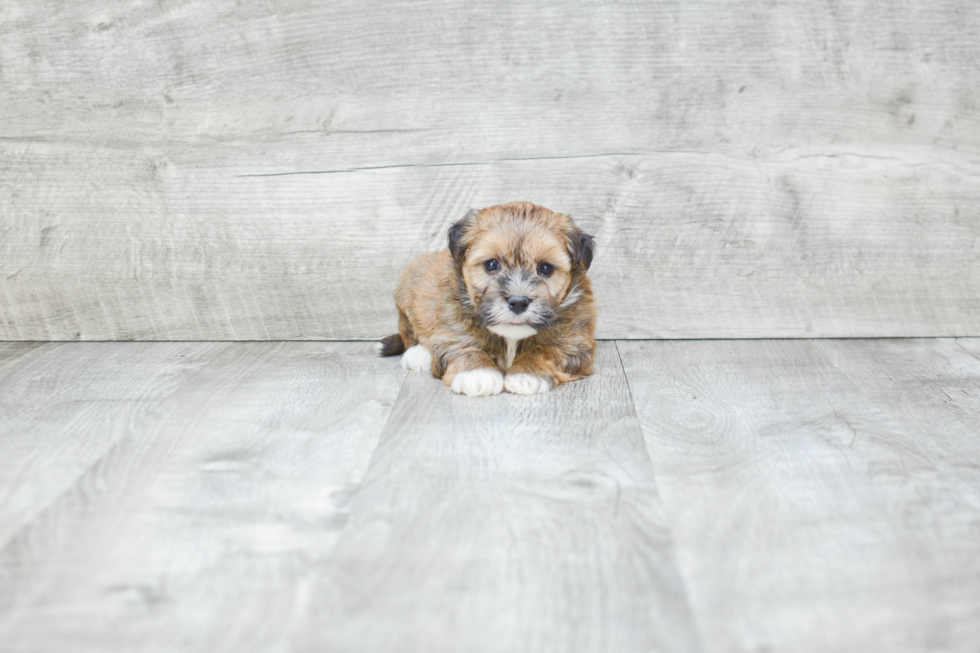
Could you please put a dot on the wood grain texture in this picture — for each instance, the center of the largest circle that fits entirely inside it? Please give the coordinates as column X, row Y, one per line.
column 810, row 512
column 807, row 170
column 767, row 495
column 971, row 345
column 198, row 530
column 506, row 523
column 11, row 351
column 931, row 387
column 63, row 407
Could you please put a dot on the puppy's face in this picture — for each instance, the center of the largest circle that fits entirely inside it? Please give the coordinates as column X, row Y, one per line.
column 517, row 262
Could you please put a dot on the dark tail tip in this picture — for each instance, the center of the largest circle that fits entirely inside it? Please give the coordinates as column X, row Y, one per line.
column 391, row 346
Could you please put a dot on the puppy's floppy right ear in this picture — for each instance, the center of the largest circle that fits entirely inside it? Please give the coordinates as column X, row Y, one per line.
column 582, row 248
column 459, row 236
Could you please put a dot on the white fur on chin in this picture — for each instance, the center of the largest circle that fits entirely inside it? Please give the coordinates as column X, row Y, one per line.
column 521, row 383
column 513, row 331
column 478, row 383
column 417, row 358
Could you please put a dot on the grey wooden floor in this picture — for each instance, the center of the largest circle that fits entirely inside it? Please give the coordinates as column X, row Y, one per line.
column 761, row 495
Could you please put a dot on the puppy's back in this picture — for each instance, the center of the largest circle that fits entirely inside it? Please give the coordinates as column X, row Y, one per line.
column 422, row 285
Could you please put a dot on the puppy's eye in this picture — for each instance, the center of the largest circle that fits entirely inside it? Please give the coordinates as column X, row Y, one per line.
column 492, row 265
column 545, row 269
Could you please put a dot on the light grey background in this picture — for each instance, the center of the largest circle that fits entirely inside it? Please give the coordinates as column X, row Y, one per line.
column 222, row 169
column 263, row 170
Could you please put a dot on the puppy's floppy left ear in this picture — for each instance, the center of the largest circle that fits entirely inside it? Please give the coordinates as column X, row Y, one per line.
column 581, row 247
column 459, row 235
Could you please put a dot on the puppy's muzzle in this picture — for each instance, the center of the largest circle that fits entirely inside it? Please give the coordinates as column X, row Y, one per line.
column 518, row 304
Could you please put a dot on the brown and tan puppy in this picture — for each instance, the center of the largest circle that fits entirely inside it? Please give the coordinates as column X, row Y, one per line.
column 507, row 306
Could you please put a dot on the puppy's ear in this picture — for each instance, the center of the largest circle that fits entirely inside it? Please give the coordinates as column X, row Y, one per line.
column 459, row 235
column 581, row 247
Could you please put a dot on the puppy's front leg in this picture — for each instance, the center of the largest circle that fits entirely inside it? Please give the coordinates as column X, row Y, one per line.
column 540, row 368
column 474, row 373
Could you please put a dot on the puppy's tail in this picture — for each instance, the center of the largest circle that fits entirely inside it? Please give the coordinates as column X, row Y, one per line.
column 391, row 346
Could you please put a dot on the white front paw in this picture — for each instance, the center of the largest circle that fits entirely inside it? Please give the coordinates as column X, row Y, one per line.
column 478, row 383
column 417, row 358
column 521, row 383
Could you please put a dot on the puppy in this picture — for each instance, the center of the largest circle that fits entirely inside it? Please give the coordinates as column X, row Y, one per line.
column 507, row 306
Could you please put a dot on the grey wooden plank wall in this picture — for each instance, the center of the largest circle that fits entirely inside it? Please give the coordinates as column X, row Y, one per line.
column 226, row 170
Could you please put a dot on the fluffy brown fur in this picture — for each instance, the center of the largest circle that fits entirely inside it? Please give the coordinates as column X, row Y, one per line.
column 509, row 295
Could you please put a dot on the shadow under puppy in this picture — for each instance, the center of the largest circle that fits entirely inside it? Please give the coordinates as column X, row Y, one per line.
column 507, row 306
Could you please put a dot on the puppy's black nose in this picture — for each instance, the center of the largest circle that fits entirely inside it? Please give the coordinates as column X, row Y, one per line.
column 518, row 304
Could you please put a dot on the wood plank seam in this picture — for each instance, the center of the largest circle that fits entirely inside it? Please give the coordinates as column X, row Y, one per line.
column 162, row 477
column 960, row 345
column 53, row 500
column 754, row 442
column 682, row 577
column 464, row 456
